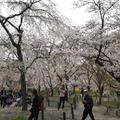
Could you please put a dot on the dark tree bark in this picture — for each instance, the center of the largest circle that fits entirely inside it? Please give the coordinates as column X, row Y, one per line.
column 22, row 77
column 100, row 90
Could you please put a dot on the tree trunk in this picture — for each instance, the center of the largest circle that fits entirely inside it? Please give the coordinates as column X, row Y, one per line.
column 22, row 77
column 23, row 89
column 52, row 91
column 100, row 95
column 100, row 100
column 19, row 54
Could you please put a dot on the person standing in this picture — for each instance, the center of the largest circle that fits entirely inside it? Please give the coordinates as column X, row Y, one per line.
column 88, row 106
column 35, row 106
column 3, row 97
column 62, row 97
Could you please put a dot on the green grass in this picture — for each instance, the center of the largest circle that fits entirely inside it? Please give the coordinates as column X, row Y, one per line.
column 19, row 118
column 112, row 104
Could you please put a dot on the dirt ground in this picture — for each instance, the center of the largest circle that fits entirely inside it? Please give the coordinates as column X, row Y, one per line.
column 51, row 113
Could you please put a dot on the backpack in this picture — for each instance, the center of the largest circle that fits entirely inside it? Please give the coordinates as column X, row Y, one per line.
column 41, row 104
column 89, row 101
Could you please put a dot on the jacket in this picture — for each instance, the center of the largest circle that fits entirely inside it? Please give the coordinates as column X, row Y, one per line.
column 35, row 104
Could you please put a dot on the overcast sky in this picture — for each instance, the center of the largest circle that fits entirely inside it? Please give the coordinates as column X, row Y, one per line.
column 77, row 16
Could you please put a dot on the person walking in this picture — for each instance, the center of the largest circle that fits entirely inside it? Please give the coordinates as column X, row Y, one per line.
column 35, row 106
column 62, row 97
column 88, row 106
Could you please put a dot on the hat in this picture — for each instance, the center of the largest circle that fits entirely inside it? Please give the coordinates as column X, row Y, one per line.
column 85, row 90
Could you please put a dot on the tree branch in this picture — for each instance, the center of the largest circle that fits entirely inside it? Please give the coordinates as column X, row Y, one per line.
column 9, row 34
column 112, row 5
column 23, row 11
column 34, row 60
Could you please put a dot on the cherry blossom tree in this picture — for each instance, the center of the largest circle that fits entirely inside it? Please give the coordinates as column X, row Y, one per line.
column 100, row 35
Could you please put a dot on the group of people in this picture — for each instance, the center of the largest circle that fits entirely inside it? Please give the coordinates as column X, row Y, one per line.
column 38, row 100
column 38, row 104
column 87, row 102
column 7, row 98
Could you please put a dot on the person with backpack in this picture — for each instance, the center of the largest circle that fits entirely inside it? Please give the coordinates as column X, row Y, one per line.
column 36, row 104
column 88, row 106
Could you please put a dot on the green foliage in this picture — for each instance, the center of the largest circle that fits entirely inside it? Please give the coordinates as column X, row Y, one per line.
column 19, row 118
column 56, row 91
column 95, row 93
column 112, row 104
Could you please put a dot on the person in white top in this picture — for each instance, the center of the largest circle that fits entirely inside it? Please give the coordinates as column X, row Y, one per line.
column 62, row 97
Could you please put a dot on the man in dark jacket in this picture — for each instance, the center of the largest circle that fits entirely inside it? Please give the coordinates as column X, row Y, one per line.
column 35, row 106
column 88, row 105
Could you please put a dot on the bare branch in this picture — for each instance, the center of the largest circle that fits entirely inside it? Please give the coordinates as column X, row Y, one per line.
column 34, row 60
column 21, row 21
column 112, row 5
column 13, row 25
column 28, row 6
column 9, row 34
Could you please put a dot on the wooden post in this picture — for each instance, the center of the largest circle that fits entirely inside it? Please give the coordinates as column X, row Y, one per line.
column 72, row 112
column 74, row 102
column 48, row 101
column 64, row 116
column 42, row 115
